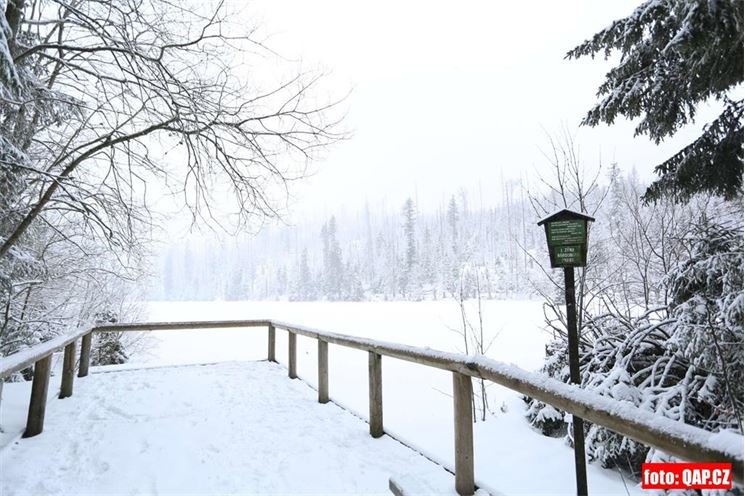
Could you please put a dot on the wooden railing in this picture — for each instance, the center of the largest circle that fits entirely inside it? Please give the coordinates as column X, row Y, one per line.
column 676, row 438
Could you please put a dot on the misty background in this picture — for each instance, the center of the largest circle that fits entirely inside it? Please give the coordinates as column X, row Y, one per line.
column 456, row 110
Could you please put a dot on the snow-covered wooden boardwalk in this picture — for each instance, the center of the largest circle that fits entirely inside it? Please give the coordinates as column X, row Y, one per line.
column 244, row 428
column 229, row 428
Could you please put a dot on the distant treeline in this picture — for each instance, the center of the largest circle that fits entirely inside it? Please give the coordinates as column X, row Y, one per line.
column 385, row 253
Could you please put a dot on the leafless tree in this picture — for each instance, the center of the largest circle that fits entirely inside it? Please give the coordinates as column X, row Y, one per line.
column 633, row 246
column 475, row 337
column 102, row 101
column 96, row 87
column 572, row 186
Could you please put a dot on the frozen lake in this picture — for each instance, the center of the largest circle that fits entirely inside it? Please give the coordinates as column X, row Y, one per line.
column 513, row 327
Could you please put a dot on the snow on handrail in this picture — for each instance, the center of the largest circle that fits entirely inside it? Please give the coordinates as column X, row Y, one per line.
column 25, row 358
column 188, row 325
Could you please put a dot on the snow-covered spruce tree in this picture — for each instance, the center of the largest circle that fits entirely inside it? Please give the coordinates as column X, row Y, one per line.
column 108, row 348
column 675, row 55
column 408, row 283
column 333, row 266
column 707, row 299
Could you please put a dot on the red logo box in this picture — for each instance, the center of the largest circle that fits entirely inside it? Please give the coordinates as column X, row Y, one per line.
column 686, row 476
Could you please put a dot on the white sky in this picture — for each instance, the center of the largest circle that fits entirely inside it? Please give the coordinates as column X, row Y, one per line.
column 450, row 95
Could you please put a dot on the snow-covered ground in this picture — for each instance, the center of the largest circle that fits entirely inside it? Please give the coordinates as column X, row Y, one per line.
column 510, row 457
column 230, row 428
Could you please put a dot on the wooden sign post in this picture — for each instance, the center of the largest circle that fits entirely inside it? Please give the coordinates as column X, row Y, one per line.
column 566, row 235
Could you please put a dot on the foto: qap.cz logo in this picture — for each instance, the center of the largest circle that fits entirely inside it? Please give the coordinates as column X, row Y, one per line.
column 686, row 475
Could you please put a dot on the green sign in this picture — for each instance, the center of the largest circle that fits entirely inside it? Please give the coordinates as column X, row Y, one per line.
column 568, row 256
column 566, row 232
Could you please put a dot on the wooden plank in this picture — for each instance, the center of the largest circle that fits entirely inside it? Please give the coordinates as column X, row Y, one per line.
column 38, row 404
column 68, row 371
column 375, row 375
column 292, row 355
column 85, row 354
column 272, row 343
column 323, row 371
column 463, row 429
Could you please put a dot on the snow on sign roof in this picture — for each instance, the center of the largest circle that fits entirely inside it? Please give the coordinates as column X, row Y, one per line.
column 565, row 214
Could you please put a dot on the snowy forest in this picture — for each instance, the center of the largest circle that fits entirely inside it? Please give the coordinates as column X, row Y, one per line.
column 461, row 249
column 106, row 104
column 376, row 254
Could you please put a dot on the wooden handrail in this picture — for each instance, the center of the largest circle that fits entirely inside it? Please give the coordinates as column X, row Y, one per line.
column 676, row 438
column 183, row 326
column 25, row 358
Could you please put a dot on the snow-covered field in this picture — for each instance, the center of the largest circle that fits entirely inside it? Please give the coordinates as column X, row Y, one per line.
column 510, row 457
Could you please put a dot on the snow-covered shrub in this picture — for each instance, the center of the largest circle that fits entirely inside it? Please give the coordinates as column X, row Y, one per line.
column 684, row 362
column 546, row 418
column 628, row 363
column 707, row 294
column 108, row 348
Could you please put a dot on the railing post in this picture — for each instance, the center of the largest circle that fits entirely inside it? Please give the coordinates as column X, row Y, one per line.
column 292, row 355
column 375, row 376
column 68, row 371
column 38, row 403
column 272, row 340
column 323, row 371
column 462, row 398
column 85, row 354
